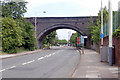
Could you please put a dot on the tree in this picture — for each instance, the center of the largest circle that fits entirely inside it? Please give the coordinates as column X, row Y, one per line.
column 28, row 36
column 50, row 39
column 13, row 9
column 11, row 35
column 105, row 15
column 117, row 32
column 94, row 28
column 73, row 38
column 96, row 33
column 62, row 42
column 16, row 32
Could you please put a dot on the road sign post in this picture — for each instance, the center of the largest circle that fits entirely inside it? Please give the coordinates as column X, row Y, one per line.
column 101, row 34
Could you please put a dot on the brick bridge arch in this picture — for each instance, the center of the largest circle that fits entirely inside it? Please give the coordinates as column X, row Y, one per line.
column 45, row 25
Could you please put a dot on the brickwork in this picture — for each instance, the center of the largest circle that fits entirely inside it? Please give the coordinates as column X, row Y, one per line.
column 88, row 43
column 45, row 25
column 119, row 50
column 116, row 44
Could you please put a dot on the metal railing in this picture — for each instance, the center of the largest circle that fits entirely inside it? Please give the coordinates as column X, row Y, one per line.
column 116, row 24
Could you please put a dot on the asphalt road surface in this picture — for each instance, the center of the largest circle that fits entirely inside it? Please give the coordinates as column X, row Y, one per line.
column 54, row 63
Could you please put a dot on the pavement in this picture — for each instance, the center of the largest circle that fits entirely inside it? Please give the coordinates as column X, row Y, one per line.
column 65, row 62
column 91, row 67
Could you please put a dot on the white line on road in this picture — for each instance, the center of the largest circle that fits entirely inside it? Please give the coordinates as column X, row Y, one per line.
column 41, row 58
column 44, row 57
column 48, row 55
column 7, row 68
column 2, row 70
column 28, row 62
column 12, row 67
column 53, row 53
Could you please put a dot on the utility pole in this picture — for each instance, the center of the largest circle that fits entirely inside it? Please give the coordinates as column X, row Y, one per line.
column 101, row 24
column 110, row 32
column 101, row 34
column 35, row 27
column 69, row 37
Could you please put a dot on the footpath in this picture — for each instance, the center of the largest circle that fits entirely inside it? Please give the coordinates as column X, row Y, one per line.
column 91, row 67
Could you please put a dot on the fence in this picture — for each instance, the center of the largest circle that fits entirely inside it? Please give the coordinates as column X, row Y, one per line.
column 116, row 24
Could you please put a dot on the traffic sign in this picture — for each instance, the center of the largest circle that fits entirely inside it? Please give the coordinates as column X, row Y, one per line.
column 101, row 35
column 82, row 39
column 78, row 40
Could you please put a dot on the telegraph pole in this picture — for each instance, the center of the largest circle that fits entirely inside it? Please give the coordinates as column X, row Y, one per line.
column 101, row 24
column 35, row 26
column 101, row 34
column 110, row 32
column 69, row 37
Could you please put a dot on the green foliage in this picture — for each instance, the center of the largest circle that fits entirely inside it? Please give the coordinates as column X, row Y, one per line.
column 117, row 32
column 16, row 32
column 96, row 34
column 11, row 35
column 50, row 39
column 94, row 29
column 28, row 36
column 105, row 15
column 13, row 9
column 73, row 39
column 119, row 18
column 64, row 41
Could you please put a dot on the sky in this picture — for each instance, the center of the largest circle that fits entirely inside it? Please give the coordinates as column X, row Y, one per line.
column 66, row 8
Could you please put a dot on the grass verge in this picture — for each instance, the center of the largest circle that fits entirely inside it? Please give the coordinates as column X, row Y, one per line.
column 19, row 50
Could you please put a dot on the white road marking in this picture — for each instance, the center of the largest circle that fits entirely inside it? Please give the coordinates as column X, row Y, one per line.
column 12, row 67
column 41, row 58
column 2, row 70
column 28, row 62
column 115, row 72
column 48, row 55
column 7, row 68
column 53, row 53
column 31, row 61
column 113, row 69
column 44, row 57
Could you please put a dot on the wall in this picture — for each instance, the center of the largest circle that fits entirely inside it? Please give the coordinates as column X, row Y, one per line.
column 116, row 44
column 95, row 47
column 88, row 45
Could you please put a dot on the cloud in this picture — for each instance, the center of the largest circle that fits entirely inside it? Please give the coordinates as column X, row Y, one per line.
column 63, row 8
column 66, row 7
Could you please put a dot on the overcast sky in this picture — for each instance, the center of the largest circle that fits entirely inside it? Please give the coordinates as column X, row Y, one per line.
column 66, row 8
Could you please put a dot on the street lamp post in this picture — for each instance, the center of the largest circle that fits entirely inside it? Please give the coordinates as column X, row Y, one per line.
column 110, row 32
column 36, row 25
